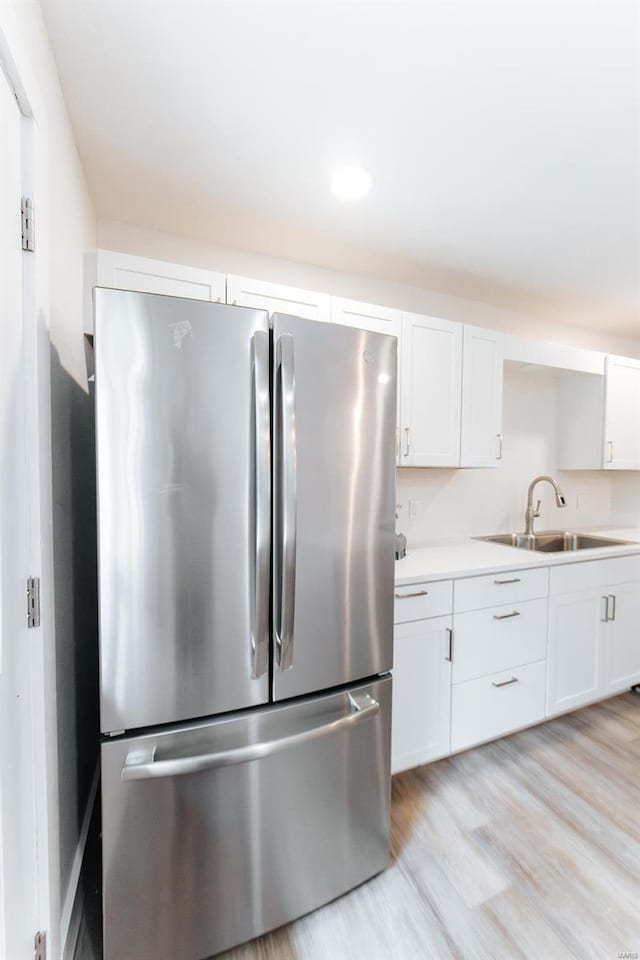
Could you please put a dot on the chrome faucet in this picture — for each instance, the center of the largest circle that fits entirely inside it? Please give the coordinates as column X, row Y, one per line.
column 533, row 512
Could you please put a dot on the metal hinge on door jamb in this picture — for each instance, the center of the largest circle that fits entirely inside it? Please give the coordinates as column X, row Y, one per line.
column 40, row 946
column 28, row 229
column 33, row 601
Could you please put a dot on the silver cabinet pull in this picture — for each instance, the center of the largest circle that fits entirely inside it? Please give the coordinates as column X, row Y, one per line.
column 449, row 656
column 500, row 583
column 418, row 593
column 609, row 451
column 363, row 707
column 504, row 683
column 500, row 439
column 261, row 501
column 612, row 597
column 605, row 618
column 506, row 616
column 407, row 444
column 286, row 501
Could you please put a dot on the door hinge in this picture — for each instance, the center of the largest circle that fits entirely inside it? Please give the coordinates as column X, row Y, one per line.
column 28, row 229
column 40, row 946
column 33, row 601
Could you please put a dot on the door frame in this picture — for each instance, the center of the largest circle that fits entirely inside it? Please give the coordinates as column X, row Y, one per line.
column 15, row 60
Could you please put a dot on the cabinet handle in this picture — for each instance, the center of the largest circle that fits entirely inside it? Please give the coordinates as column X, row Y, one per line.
column 500, row 439
column 500, row 583
column 504, row 683
column 610, row 451
column 407, row 445
column 605, row 618
column 449, row 657
column 418, row 593
column 612, row 597
column 506, row 616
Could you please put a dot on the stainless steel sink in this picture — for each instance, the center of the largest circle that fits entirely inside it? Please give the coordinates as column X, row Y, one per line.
column 553, row 541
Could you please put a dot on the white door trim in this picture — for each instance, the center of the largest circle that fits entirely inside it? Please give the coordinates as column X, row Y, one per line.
column 15, row 61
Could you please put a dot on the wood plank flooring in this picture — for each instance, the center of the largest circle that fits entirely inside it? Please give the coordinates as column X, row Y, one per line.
column 528, row 847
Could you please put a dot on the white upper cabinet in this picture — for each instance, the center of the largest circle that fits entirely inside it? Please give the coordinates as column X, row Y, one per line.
column 123, row 271
column 278, row 298
column 430, row 392
column 600, row 422
column 126, row 272
column 622, row 414
column 482, row 385
column 366, row 316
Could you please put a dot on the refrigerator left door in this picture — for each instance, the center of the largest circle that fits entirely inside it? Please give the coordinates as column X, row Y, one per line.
column 183, row 461
column 216, row 832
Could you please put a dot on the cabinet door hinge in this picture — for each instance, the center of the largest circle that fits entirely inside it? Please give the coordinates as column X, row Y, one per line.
column 28, row 229
column 40, row 946
column 33, row 601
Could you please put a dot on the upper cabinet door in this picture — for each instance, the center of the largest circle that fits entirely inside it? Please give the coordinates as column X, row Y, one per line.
column 482, row 384
column 278, row 298
column 431, row 392
column 622, row 414
column 366, row 316
column 125, row 272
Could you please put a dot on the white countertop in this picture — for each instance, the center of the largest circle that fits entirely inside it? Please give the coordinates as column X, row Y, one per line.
column 444, row 560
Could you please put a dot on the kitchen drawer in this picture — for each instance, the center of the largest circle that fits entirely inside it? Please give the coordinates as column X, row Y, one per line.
column 590, row 574
column 482, row 710
column 417, row 601
column 485, row 641
column 508, row 586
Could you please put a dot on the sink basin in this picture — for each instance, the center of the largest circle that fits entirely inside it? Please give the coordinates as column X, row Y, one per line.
column 553, row 541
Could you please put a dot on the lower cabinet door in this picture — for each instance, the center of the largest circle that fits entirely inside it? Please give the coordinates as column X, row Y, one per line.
column 421, row 714
column 577, row 622
column 621, row 639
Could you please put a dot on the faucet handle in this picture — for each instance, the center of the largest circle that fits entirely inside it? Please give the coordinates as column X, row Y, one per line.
column 536, row 512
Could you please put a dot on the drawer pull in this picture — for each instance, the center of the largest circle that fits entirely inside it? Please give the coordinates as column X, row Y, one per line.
column 449, row 656
column 418, row 593
column 504, row 683
column 499, row 583
column 506, row 616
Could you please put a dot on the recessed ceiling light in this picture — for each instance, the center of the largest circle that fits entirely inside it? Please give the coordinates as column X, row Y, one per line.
column 351, row 183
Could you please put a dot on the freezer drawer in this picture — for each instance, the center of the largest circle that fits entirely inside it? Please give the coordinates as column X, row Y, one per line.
column 216, row 832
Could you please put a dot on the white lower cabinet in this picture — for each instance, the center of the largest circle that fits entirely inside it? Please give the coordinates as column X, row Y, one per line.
column 575, row 629
column 498, row 704
column 621, row 639
column 594, row 642
column 523, row 645
column 421, row 692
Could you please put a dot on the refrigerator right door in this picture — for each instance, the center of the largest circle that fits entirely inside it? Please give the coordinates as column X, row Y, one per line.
column 334, row 414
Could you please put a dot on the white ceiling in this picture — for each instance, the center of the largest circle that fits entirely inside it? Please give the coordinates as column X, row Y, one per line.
column 502, row 136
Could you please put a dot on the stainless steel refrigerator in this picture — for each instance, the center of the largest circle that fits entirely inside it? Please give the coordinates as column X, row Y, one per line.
column 246, row 548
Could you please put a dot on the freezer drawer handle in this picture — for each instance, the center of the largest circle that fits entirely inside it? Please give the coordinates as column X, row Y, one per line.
column 261, row 499
column 363, row 707
column 286, row 503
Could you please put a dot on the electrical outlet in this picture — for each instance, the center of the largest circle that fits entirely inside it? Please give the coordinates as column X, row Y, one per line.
column 413, row 509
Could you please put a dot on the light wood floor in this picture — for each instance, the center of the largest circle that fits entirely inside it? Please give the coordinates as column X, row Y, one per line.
column 528, row 847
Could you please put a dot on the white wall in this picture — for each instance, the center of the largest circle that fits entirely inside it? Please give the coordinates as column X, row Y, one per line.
column 626, row 499
column 452, row 503
column 66, row 212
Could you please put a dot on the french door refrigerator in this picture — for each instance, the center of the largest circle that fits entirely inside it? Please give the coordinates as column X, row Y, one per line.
column 246, row 547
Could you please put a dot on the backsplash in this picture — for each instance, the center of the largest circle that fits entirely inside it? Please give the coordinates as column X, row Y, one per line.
column 461, row 503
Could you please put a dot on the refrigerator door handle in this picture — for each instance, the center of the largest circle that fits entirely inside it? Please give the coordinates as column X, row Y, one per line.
column 140, row 766
column 261, row 500
column 286, row 502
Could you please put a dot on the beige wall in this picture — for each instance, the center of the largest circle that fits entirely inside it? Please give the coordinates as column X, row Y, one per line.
column 67, row 214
